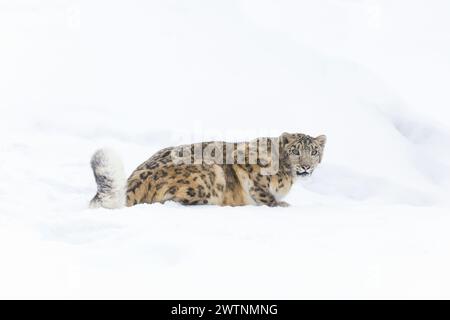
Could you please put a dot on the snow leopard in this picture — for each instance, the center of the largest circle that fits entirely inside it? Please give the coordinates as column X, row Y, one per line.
column 258, row 172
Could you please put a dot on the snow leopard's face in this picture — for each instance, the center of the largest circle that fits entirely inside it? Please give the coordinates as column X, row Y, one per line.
column 304, row 152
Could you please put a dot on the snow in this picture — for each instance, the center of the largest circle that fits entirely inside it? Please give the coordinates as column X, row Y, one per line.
column 372, row 75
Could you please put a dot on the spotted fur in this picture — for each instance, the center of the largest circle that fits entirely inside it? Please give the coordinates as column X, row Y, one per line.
column 164, row 178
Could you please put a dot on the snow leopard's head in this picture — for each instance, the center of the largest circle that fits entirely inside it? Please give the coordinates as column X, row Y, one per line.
column 304, row 152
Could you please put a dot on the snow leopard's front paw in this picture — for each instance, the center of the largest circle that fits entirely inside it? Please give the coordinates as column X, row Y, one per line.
column 283, row 204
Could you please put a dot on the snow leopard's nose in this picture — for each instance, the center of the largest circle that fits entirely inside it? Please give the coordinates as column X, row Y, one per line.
column 306, row 168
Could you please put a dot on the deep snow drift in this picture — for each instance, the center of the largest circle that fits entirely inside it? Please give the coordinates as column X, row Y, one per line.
column 371, row 222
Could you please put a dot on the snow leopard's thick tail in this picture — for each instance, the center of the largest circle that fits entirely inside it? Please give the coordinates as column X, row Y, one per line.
column 110, row 177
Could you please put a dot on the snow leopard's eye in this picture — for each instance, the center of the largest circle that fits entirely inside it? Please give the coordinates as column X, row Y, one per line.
column 314, row 153
column 295, row 152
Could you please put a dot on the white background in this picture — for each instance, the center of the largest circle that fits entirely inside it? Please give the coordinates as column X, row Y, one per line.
column 137, row 76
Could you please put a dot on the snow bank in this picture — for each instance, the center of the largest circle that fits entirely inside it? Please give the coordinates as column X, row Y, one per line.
column 80, row 75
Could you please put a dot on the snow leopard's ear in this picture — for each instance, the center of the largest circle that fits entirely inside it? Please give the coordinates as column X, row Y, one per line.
column 286, row 138
column 321, row 140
